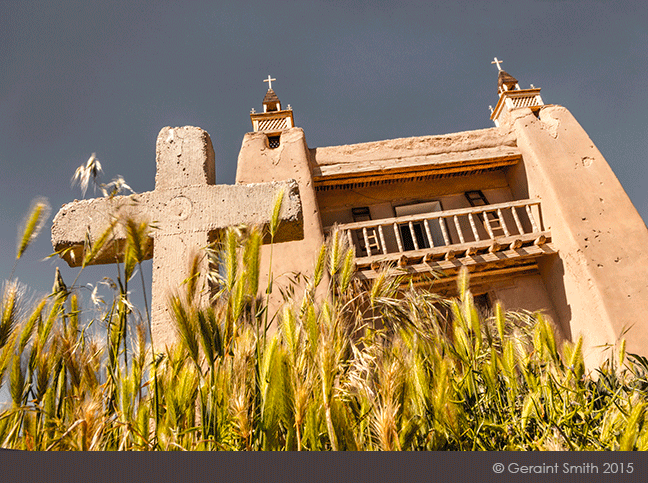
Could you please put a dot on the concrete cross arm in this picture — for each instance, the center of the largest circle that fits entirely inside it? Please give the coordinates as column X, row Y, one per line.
column 175, row 212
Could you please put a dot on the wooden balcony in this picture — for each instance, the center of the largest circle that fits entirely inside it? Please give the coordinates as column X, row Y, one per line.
column 499, row 238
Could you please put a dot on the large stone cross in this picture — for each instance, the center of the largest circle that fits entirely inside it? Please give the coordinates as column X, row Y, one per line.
column 187, row 209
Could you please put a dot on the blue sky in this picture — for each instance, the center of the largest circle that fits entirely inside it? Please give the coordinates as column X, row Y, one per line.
column 105, row 77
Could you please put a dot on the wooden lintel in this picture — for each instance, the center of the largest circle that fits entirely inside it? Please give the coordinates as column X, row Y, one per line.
column 448, row 284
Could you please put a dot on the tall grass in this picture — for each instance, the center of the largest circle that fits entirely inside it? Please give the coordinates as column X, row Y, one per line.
column 378, row 367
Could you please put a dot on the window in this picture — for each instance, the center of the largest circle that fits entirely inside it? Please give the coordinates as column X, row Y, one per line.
column 273, row 141
column 361, row 213
column 477, row 198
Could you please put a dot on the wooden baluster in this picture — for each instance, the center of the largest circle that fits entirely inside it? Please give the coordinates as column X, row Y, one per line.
column 428, row 233
column 531, row 219
column 459, row 232
column 411, row 229
column 382, row 240
column 487, row 224
column 366, row 240
column 517, row 220
column 350, row 238
column 474, row 227
column 398, row 237
column 504, row 227
column 444, row 231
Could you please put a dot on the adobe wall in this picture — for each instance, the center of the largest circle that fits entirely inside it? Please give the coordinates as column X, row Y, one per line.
column 415, row 151
column 258, row 163
column 400, row 160
column 598, row 280
column 527, row 293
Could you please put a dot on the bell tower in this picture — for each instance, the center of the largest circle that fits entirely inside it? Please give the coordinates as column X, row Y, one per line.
column 273, row 119
column 597, row 279
column 511, row 96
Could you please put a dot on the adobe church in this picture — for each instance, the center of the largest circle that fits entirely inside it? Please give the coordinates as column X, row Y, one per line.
column 530, row 207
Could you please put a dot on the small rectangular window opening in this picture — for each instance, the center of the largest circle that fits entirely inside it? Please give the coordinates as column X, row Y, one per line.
column 476, row 198
column 273, row 141
column 361, row 213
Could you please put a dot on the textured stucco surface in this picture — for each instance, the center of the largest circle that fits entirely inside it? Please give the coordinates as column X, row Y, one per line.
column 597, row 282
column 175, row 211
column 258, row 163
column 405, row 154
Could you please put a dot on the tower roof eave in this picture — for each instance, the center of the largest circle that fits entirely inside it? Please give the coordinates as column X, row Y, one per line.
column 504, row 78
column 270, row 97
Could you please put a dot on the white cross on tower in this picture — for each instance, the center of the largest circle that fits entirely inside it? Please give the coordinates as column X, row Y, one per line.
column 497, row 63
column 269, row 81
column 187, row 208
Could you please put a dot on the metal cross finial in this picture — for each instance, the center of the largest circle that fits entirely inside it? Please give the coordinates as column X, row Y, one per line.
column 269, row 81
column 497, row 63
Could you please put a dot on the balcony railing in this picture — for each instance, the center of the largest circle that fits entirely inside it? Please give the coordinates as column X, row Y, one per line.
column 272, row 122
column 445, row 235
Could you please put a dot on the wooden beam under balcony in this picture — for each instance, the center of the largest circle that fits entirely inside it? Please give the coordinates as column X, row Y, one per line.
column 522, row 259
column 464, row 250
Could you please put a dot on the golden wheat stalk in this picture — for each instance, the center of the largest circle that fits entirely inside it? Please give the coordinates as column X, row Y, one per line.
column 276, row 209
column 32, row 225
